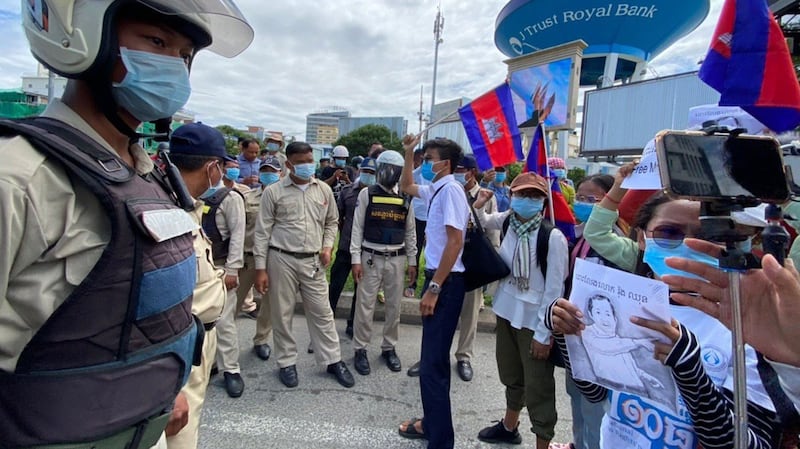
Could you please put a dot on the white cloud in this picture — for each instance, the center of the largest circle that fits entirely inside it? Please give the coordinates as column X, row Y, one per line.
column 370, row 56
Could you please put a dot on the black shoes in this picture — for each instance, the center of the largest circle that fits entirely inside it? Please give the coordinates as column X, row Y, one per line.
column 263, row 351
column 288, row 376
column 498, row 434
column 349, row 330
column 392, row 361
column 310, row 348
column 361, row 362
column 464, row 370
column 342, row 374
column 234, row 384
column 414, row 370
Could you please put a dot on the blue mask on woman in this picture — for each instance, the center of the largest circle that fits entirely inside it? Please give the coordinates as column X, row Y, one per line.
column 268, row 178
column 655, row 256
column 304, row 171
column 232, row 173
column 526, row 207
column 560, row 173
column 582, row 210
column 499, row 177
column 427, row 171
column 155, row 87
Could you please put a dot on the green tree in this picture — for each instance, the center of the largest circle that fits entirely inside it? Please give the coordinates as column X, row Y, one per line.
column 575, row 174
column 232, row 136
column 359, row 140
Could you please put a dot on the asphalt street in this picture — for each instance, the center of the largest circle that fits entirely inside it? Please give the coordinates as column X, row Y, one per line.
column 321, row 414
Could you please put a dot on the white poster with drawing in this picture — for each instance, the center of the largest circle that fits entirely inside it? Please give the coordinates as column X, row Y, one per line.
column 612, row 351
column 645, row 176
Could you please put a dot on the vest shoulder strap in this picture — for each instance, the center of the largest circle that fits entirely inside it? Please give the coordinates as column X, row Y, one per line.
column 217, row 198
column 71, row 147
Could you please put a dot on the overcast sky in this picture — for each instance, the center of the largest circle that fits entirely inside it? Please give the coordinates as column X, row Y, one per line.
column 370, row 56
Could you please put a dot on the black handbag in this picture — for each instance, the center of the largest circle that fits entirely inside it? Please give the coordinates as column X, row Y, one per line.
column 482, row 264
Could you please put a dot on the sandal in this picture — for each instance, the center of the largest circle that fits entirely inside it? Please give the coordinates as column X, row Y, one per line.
column 411, row 430
column 561, row 446
column 409, row 293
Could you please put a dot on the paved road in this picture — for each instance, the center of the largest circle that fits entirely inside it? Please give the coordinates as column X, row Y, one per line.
column 321, row 414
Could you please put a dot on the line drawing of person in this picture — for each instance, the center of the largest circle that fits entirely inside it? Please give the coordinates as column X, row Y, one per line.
column 610, row 355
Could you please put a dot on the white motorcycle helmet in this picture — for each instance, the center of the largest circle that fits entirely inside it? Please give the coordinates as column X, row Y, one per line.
column 340, row 151
column 76, row 37
column 390, row 167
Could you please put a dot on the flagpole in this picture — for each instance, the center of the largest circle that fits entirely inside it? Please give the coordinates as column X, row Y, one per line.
column 424, row 130
column 547, row 175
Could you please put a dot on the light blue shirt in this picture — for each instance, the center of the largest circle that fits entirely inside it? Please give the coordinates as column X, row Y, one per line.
column 247, row 168
column 419, row 205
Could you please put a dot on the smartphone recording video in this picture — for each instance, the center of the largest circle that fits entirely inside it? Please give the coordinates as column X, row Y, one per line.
column 704, row 167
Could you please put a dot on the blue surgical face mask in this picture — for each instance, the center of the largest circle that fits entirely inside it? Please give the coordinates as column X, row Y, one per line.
column 560, row 173
column 232, row 173
column 268, row 178
column 340, row 162
column 304, row 171
column 499, row 177
column 526, row 207
column 427, row 171
column 582, row 210
column 273, row 147
column 212, row 189
column 461, row 178
column 155, row 86
column 367, row 179
column 655, row 256
column 746, row 246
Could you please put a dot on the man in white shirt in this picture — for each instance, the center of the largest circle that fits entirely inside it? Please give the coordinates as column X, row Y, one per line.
column 448, row 214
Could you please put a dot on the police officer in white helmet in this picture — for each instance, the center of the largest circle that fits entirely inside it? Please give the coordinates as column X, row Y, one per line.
column 383, row 239
column 98, row 269
column 338, row 174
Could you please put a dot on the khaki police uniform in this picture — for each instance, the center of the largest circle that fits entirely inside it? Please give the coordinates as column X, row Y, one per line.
column 380, row 268
column 295, row 223
column 468, row 322
column 230, row 220
column 54, row 232
column 247, row 276
column 207, row 305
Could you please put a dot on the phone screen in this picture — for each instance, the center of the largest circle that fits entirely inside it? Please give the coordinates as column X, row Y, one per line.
column 718, row 166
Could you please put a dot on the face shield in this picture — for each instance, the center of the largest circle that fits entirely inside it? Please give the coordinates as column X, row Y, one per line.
column 230, row 32
column 388, row 175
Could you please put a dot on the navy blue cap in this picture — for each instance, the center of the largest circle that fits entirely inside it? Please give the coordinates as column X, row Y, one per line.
column 197, row 139
column 468, row 162
column 369, row 164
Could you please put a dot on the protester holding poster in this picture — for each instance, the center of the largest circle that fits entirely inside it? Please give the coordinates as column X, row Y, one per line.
column 698, row 355
column 537, row 254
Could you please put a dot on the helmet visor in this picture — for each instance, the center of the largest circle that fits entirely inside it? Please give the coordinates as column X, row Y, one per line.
column 388, row 175
column 230, row 32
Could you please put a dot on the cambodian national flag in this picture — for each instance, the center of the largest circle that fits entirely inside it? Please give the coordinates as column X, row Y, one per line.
column 558, row 211
column 491, row 128
column 749, row 64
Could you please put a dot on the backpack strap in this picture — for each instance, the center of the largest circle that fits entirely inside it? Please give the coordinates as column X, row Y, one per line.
column 543, row 246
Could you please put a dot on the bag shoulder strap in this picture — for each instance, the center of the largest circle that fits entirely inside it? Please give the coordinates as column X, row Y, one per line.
column 430, row 203
column 543, row 246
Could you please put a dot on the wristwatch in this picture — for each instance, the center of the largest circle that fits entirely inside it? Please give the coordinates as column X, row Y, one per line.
column 434, row 288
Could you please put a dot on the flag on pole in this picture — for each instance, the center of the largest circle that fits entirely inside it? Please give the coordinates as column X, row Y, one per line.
column 748, row 62
column 492, row 128
column 558, row 212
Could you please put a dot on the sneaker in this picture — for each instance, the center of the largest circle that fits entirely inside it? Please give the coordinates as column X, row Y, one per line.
column 498, row 434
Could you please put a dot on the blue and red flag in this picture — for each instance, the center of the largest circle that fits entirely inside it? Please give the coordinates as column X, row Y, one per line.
column 537, row 162
column 749, row 64
column 492, row 128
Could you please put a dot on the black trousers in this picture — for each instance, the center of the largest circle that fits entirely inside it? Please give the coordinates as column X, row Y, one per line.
column 340, row 270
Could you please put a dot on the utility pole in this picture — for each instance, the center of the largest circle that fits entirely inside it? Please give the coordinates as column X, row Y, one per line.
column 421, row 113
column 438, row 27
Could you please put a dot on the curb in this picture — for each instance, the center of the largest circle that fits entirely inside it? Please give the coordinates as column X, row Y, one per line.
column 409, row 312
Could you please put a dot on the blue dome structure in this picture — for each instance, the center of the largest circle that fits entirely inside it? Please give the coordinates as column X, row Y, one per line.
column 634, row 31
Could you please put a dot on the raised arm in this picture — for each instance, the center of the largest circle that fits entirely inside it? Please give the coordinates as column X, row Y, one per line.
column 407, row 178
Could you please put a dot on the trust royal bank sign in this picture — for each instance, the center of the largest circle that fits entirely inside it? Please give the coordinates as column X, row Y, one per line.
column 639, row 30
